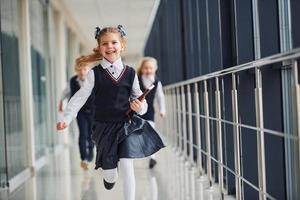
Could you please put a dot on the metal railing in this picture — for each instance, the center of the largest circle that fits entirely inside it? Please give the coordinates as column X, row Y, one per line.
column 195, row 124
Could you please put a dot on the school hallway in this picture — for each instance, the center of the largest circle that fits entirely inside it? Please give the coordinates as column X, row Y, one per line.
column 62, row 178
column 226, row 71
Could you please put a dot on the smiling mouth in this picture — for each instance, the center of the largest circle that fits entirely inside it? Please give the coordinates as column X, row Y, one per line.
column 110, row 52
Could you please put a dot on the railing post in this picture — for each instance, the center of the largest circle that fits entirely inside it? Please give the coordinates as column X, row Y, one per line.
column 198, row 127
column 165, row 129
column 297, row 97
column 179, row 122
column 182, row 141
column 236, row 136
column 207, row 131
column 190, row 125
column 168, row 101
column 172, row 117
column 185, row 145
column 176, row 125
column 297, row 124
column 165, row 120
column 260, row 135
column 219, row 135
column 171, row 113
column 191, row 135
column 183, row 104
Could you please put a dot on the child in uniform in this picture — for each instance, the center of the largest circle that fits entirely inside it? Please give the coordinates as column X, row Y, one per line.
column 85, row 115
column 146, row 73
column 115, row 88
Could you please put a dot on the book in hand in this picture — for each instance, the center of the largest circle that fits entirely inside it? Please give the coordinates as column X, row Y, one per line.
column 140, row 98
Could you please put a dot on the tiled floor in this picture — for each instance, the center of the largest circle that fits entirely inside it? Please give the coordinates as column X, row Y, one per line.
column 63, row 179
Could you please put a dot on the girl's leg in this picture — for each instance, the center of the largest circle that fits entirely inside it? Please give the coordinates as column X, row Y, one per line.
column 153, row 186
column 127, row 171
column 152, row 156
column 83, row 133
column 152, row 161
column 90, row 143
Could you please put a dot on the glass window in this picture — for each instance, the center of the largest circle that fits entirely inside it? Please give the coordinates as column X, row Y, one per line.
column 10, row 34
column 38, row 33
column 3, row 168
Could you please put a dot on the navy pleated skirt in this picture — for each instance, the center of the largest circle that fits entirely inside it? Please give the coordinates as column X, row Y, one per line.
column 115, row 140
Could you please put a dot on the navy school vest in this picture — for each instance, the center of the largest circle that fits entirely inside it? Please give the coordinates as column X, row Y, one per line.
column 149, row 115
column 111, row 95
column 88, row 106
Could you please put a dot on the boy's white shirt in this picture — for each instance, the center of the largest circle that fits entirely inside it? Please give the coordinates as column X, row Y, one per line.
column 159, row 95
column 66, row 93
column 81, row 96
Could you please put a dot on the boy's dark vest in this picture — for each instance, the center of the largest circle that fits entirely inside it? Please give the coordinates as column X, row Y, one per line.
column 149, row 115
column 112, row 96
column 88, row 106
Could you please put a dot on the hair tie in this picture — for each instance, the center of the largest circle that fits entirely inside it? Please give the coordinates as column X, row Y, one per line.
column 97, row 32
column 121, row 30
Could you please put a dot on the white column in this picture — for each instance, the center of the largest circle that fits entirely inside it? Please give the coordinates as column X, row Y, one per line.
column 61, row 76
column 76, row 43
column 61, row 52
column 26, row 83
column 50, row 74
column 73, row 51
column 26, row 93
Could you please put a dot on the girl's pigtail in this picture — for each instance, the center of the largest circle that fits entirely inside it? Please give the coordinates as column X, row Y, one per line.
column 94, row 57
column 121, row 30
column 97, row 32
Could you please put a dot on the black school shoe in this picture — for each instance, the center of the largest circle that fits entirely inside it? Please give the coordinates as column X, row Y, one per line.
column 108, row 185
column 152, row 163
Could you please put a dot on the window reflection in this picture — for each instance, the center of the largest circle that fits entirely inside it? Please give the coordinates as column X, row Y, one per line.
column 38, row 31
column 10, row 34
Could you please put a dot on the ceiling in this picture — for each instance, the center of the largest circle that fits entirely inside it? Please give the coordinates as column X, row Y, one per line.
column 135, row 15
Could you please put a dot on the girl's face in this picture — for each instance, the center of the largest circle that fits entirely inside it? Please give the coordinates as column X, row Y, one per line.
column 111, row 47
column 148, row 69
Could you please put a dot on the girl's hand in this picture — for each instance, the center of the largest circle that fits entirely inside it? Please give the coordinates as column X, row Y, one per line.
column 162, row 115
column 61, row 126
column 136, row 105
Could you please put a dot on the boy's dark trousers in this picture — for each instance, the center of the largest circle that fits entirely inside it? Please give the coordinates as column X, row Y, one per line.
column 86, row 145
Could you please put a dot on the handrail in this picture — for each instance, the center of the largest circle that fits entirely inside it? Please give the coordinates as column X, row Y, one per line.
column 188, row 132
column 295, row 53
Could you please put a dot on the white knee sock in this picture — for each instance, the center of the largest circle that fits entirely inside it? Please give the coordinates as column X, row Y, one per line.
column 110, row 175
column 152, row 156
column 127, row 171
column 153, row 188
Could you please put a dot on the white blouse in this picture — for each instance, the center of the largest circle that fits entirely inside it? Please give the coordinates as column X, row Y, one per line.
column 159, row 95
column 81, row 96
column 66, row 93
